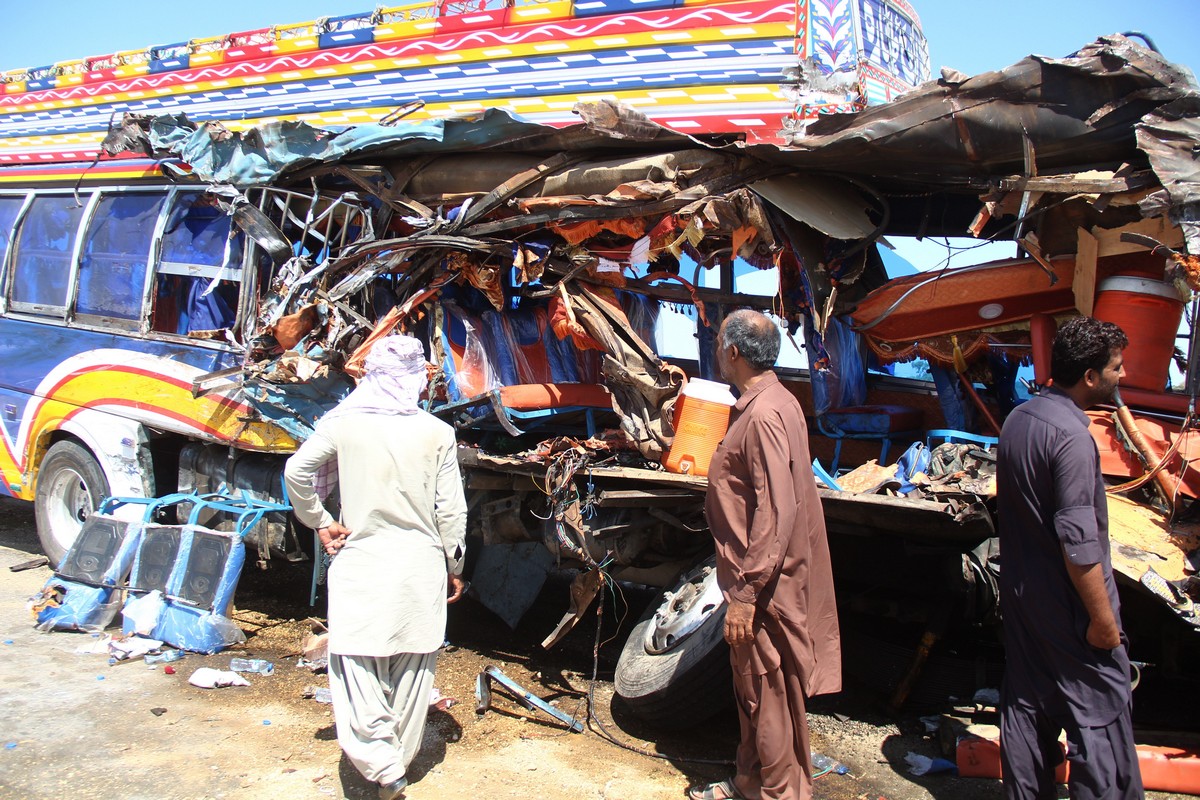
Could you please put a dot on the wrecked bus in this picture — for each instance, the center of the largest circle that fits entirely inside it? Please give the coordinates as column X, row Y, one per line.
column 547, row 267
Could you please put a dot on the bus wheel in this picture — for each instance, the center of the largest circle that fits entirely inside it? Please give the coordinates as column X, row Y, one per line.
column 69, row 488
column 674, row 669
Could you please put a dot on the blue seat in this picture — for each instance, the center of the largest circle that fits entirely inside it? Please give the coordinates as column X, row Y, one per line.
column 881, row 423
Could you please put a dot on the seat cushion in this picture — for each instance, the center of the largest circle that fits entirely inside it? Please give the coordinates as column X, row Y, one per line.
column 874, row 420
column 540, row 396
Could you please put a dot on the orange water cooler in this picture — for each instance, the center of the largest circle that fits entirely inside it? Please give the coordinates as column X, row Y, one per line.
column 1149, row 312
column 701, row 419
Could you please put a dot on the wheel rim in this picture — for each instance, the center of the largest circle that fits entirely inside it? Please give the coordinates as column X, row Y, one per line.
column 70, row 506
column 694, row 601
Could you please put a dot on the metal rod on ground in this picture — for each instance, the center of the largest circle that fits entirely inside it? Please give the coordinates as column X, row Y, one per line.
column 483, row 697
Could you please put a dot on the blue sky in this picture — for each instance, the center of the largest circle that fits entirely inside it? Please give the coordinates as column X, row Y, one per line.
column 971, row 37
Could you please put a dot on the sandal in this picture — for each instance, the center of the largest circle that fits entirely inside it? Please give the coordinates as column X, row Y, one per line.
column 721, row 790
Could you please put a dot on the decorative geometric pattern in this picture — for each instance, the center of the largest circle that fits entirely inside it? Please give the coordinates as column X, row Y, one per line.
column 831, row 33
column 891, row 41
column 713, row 67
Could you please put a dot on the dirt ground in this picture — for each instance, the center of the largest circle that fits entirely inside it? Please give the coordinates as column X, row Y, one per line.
column 74, row 726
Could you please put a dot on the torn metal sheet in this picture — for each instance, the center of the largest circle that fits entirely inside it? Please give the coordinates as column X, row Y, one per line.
column 508, row 577
column 829, row 205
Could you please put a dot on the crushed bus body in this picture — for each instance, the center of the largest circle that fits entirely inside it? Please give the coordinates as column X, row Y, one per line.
column 567, row 281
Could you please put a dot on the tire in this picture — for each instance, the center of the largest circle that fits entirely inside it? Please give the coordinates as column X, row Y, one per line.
column 70, row 486
column 674, row 669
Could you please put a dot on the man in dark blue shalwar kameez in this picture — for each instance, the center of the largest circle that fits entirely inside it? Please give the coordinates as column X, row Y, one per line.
column 1067, row 659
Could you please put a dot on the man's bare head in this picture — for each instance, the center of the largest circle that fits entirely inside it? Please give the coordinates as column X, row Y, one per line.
column 755, row 336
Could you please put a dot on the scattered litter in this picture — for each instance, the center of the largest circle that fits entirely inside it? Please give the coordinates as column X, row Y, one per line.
column 924, row 765
column 823, row 765
column 164, row 657
column 932, row 723
column 266, row 722
column 98, row 646
column 319, row 693
column 439, row 701
column 158, row 712
column 209, row 678
column 141, row 614
column 258, row 665
column 41, row 561
column 10, row 746
column 8, row 641
column 128, row 647
column 168, row 670
column 987, row 697
column 99, row 677
column 316, row 648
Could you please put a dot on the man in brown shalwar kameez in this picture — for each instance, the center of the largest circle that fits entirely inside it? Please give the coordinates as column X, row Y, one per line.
column 773, row 568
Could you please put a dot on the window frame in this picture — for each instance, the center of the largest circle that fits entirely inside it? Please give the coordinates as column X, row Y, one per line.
column 5, row 270
column 101, row 321
column 239, row 274
column 67, row 316
column 56, row 315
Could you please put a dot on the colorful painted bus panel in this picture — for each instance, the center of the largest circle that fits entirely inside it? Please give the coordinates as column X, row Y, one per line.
column 745, row 67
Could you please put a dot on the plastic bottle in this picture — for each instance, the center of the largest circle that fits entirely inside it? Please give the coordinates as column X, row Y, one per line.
column 164, row 657
column 258, row 665
column 822, row 764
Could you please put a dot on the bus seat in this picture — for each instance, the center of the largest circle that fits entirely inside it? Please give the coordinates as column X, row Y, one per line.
column 535, row 375
column 884, row 423
column 527, row 351
column 467, row 368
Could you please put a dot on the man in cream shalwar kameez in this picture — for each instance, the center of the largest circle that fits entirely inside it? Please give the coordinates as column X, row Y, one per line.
column 400, row 542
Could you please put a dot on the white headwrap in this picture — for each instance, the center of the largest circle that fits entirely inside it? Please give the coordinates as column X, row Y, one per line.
column 394, row 375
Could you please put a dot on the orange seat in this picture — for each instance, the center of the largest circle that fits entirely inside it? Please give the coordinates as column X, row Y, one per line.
column 540, row 396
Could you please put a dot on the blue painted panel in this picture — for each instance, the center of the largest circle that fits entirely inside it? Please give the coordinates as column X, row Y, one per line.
column 346, row 38
column 160, row 65
column 29, row 350
column 596, row 8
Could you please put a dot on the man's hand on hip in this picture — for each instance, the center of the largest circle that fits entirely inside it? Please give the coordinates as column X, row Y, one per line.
column 739, row 623
column 457, row 586
column 333, row 537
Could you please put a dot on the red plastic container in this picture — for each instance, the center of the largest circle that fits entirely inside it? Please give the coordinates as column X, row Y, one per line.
column 1149, row 312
